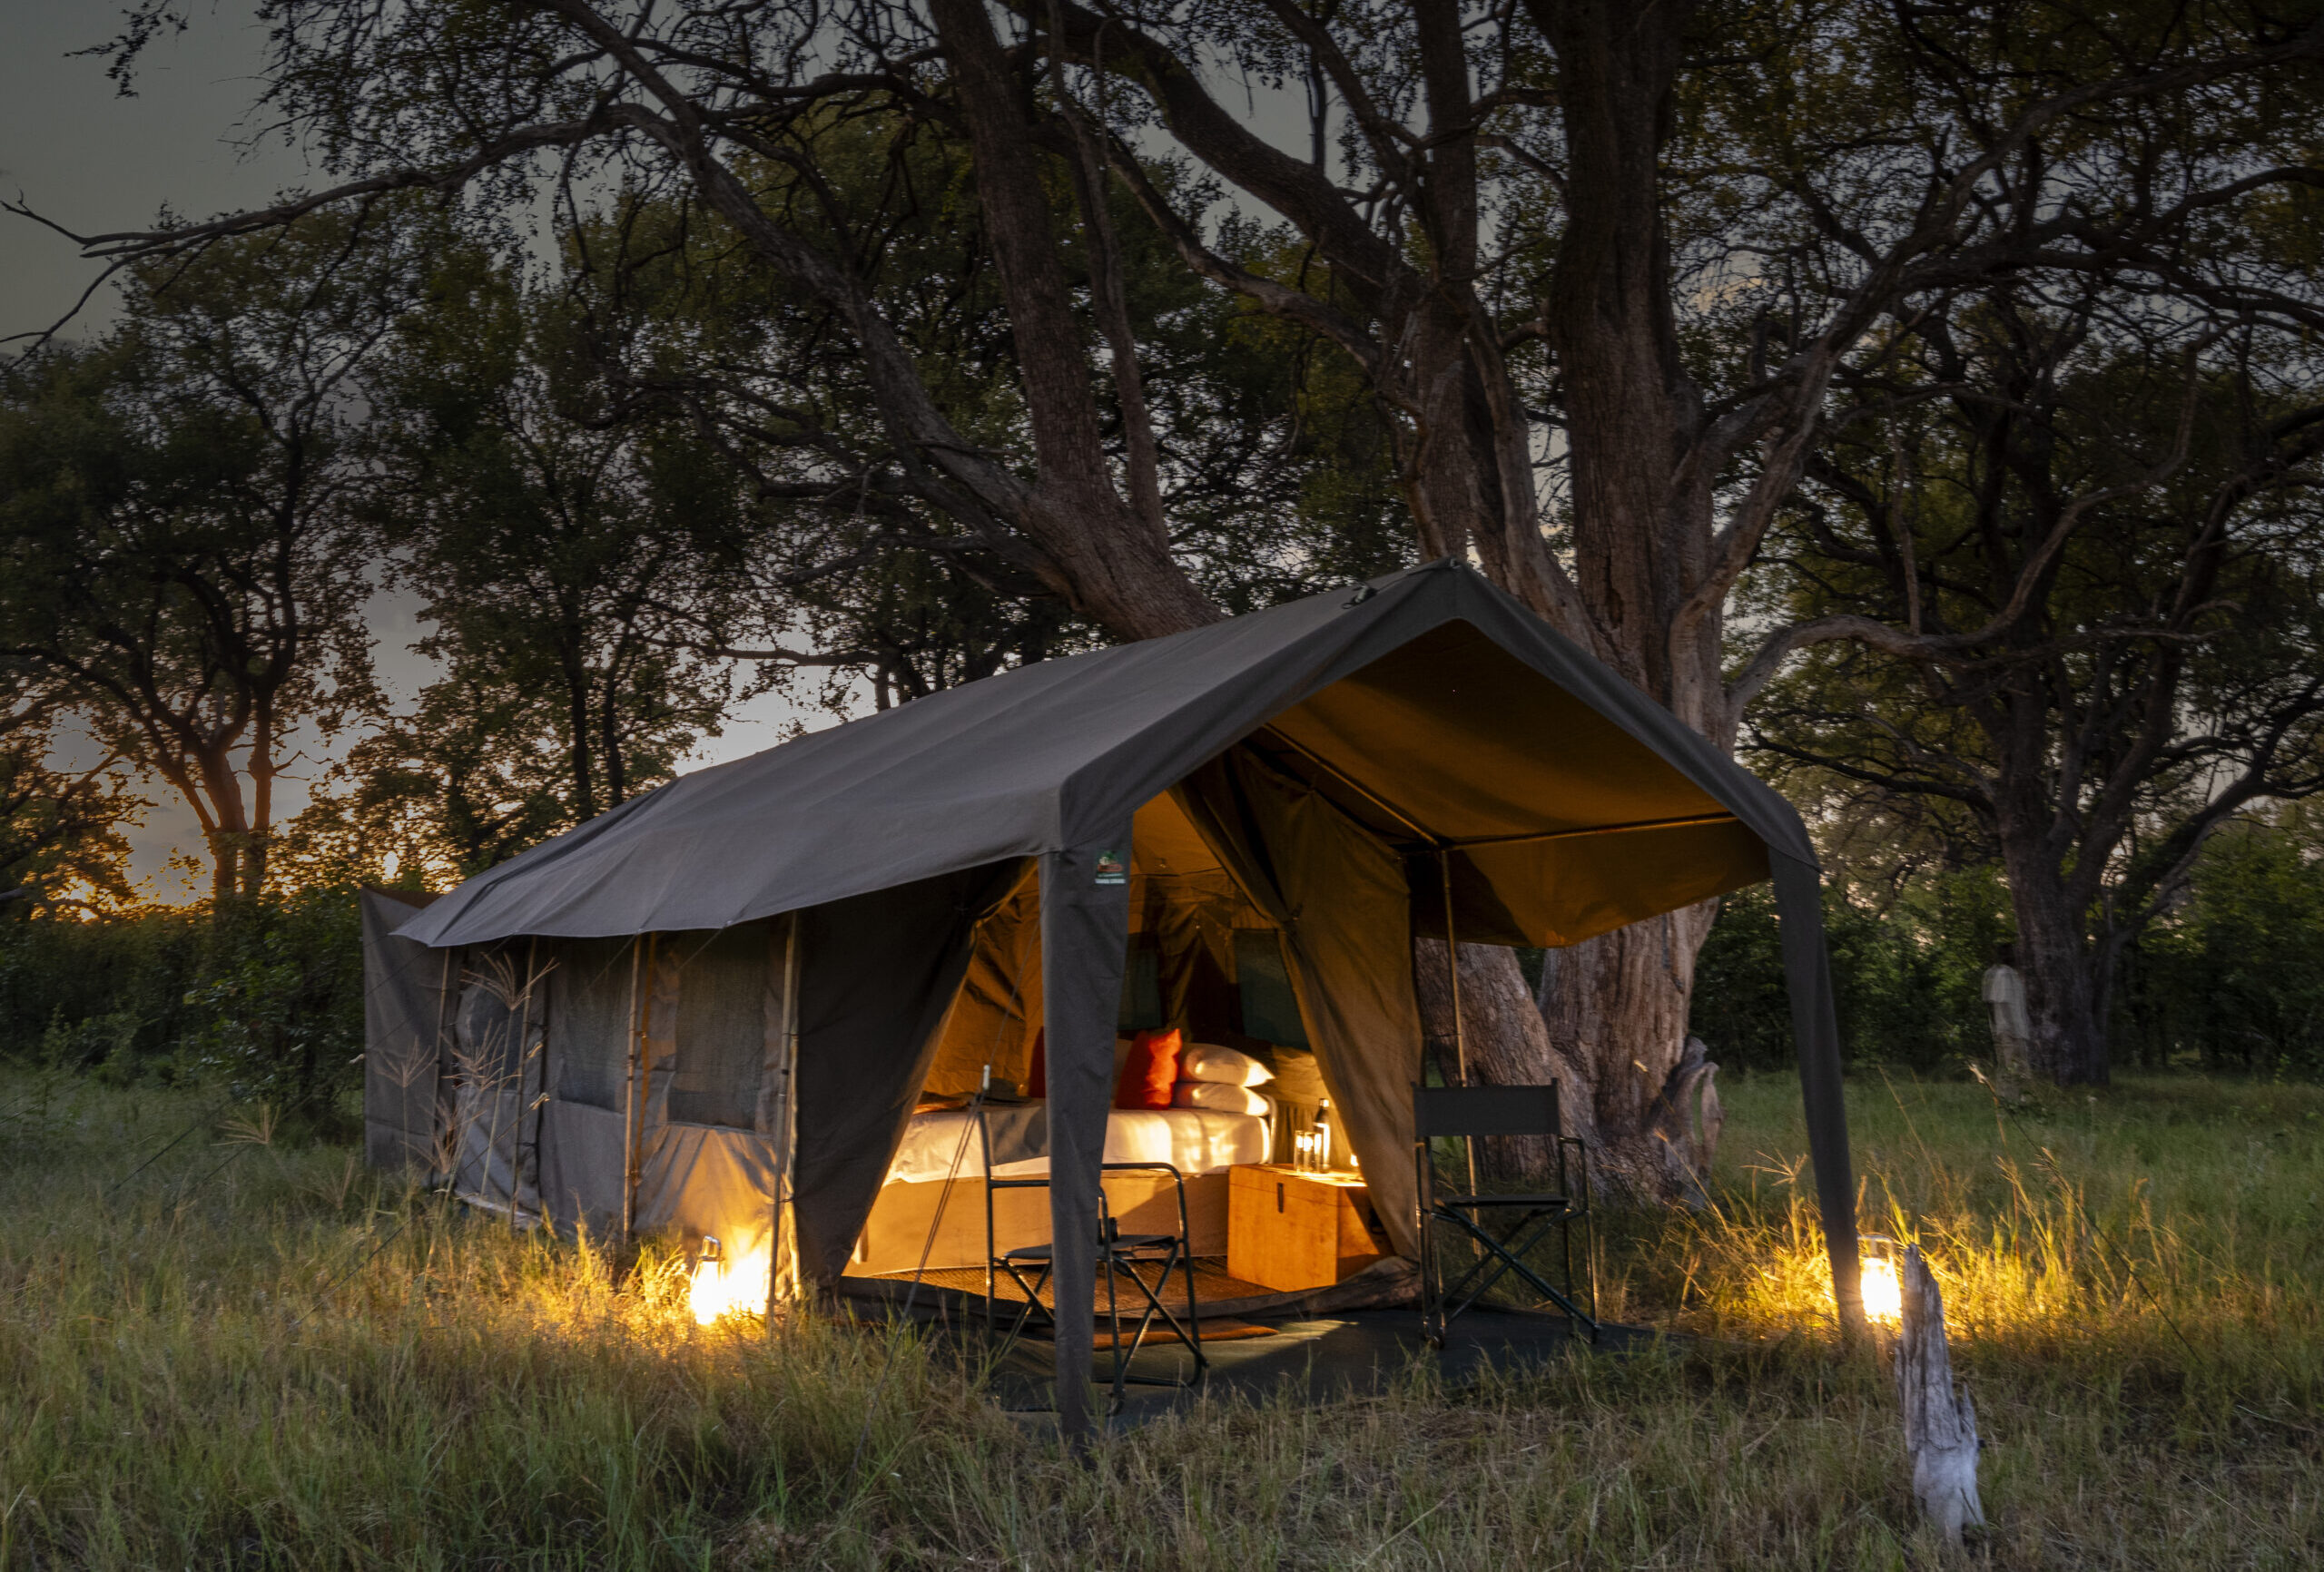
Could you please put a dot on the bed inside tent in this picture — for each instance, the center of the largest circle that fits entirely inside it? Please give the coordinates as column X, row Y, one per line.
column 1202, row 960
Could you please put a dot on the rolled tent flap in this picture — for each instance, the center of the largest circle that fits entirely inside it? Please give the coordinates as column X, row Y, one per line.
column 876, row 974
column 1340, row 897
column 997, row 1011
column 1815, row 1023
column 1085, row 935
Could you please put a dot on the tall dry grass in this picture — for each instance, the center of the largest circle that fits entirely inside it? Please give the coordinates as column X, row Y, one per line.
column 254, row 1355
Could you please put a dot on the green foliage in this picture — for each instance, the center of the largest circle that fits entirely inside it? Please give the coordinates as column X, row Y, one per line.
column 1907, row 968
column 60, row 829
column 2236, row 977
column 280, row 1008
column 2233, row 978
column 75, row 993
column 568, row 557
column 269, row 999
column 177, row 570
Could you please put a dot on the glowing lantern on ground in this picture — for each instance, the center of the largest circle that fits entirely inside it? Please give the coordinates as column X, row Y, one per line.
column 1884, row 1296
column 1883, row 1289
column 724, row 1284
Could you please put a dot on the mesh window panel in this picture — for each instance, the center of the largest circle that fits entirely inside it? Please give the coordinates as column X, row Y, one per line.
column 1141, row 1008
column 588, row 1046
column 491, row 1035
column 1270, row 1009
column 722, row 1027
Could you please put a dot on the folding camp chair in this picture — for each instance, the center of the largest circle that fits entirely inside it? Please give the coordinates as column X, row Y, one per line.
column 1466, row 1113
column 1119, row 1255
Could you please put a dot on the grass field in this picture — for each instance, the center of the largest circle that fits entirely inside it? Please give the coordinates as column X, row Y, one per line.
column 206, row 1364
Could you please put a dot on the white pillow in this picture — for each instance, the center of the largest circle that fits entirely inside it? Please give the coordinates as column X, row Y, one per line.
column 1225, row 1066
column 1220, row 1098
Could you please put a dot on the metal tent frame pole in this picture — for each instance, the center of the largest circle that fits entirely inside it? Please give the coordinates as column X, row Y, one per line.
column 780, row 1243
column 1453, row 970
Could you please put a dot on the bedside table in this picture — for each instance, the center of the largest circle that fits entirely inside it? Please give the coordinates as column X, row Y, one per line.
column 1287, row 1229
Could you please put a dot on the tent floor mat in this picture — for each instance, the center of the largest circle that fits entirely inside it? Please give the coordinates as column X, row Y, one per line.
column 1214, row 1329
column 1311, row 1359
column 1217, row 1297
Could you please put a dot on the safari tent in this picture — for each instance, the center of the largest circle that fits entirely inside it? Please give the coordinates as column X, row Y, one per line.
column 723, row 1006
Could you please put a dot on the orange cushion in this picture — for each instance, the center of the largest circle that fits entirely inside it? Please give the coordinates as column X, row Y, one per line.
column 1150, row 1074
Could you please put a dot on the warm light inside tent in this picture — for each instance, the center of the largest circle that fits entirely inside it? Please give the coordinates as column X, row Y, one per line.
column 726, row 1283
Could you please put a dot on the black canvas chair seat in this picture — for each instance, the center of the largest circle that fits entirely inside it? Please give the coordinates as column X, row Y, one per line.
column 1465, row 1113
column 1123, row 1244
column 1119, row 1255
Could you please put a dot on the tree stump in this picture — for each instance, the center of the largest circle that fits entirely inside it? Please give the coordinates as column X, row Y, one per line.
column 1940, row 1425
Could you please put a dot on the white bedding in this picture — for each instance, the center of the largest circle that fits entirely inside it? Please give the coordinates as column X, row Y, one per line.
column 1196, row 1140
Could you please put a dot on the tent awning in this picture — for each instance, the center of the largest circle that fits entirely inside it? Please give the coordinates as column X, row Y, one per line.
column 1432, row 707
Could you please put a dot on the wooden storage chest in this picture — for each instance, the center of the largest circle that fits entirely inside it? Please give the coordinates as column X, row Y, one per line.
column 1288, row 1230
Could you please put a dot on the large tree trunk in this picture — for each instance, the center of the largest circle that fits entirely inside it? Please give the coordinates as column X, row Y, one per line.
column 1507, row 1045
column 1643, row 532
column 1619, row 1003
column 2060, row 964
column 1650, row 1131
column 1114, row 562
column 1642, row 520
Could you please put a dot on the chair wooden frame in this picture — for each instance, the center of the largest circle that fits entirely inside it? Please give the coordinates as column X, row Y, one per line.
column 1465, row 1113
column 1119, row 1255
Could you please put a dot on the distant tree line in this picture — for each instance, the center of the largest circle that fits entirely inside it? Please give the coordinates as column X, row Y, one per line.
column 2231, row 979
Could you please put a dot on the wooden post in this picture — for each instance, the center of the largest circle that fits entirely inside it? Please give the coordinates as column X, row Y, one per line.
column 629, row 1099
column 1940, row 1425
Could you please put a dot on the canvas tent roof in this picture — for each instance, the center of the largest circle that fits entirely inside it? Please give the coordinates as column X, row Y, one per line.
column 1042, row 757
column 1428, row 717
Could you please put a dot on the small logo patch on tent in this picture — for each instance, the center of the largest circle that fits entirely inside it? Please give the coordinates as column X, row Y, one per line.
column 1113, row 868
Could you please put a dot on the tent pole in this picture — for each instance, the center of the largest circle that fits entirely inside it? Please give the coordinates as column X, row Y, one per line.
column 629, row 1100
column 786, row 1119
column 1689, row 822
column 438, row 1128
column 1350, row 781
column 1453, row 970
column 523, row 1058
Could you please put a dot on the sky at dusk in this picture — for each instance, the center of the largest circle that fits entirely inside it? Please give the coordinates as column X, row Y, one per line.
column 75, row 150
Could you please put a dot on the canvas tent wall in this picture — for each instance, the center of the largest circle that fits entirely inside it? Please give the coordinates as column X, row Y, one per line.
column 404, row 987
column 1342, row 758
column 606, row 1084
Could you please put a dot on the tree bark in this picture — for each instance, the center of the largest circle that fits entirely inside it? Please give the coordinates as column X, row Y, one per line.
column 1641, row 537
column 1940, row 1424
column 1508, row 1045
column 1669, row 1119
column 2060, row 964
column 1619, row 1003
column 1643, row 529
column 1116, row 560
